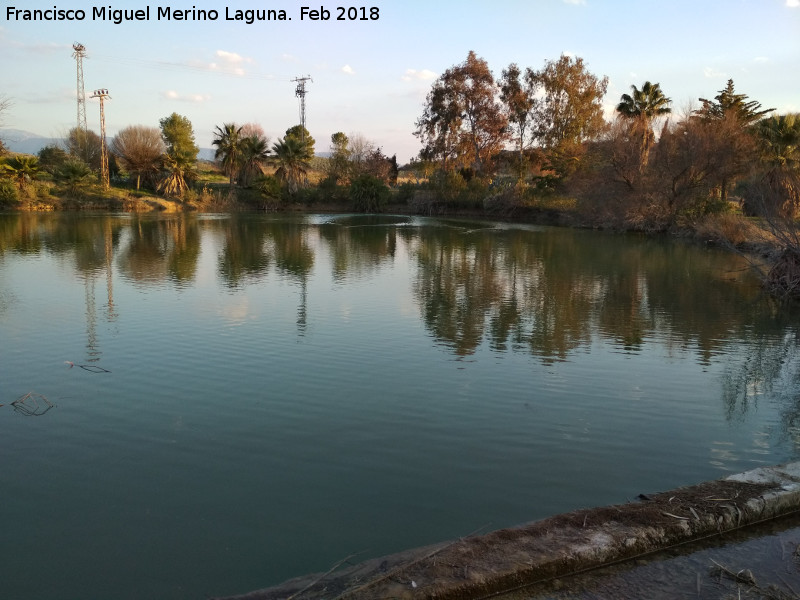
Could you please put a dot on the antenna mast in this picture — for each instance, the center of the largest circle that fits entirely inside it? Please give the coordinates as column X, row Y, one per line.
column 78, row 54
column 102, row 94
column 300, row 92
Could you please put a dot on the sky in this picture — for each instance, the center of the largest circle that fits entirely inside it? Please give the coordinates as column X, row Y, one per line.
column 371, row 76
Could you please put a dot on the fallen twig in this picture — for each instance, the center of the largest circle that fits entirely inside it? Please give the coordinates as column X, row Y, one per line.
column 786, row 583
column 663, row 512
column 403, row 567
column 32, row 405
column 323, row 576
column 90, row 368
column 743, row 576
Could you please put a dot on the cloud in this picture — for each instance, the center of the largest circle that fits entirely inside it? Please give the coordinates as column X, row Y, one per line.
column 423, row 75
column 348, row 70
column 576, row 2
column 712, row 73
column 229, row 62
column 192, row 98
column 231, row 57
column 793, row 3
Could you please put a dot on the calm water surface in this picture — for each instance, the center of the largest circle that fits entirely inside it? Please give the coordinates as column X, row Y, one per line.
column 258, row 397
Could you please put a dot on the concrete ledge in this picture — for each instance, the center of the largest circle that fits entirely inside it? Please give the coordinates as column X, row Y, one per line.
column 507, row 559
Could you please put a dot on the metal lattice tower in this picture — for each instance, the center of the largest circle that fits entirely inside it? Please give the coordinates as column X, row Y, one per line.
column 300, row 92
column 79, row 54
column 102, row 94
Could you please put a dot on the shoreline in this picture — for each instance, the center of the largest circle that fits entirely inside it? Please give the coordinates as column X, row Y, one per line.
column 479, row 566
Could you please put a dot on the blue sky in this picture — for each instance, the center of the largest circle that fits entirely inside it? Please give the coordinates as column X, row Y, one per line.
column 371, row 77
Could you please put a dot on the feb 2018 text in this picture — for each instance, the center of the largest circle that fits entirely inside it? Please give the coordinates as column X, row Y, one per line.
column 168, row 13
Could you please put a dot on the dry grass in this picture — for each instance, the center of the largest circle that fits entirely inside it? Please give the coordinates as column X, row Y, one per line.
column 733, row 230
column 560, row 203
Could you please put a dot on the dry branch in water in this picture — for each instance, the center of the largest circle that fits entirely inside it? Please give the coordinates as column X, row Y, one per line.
column 32, row 405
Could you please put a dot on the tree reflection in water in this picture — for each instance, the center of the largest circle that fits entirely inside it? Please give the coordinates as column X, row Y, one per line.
column 548, row 293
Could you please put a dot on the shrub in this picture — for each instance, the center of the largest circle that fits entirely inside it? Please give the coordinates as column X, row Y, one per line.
column 448, row 186
column 51, row 158
column 406, row 192
column 368, row 194
column 9, row 196
column 331, row 191
column 269, row 187
column 190, row 196
column 74, row 175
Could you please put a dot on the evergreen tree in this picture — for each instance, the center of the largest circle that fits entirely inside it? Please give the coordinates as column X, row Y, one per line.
column 301, row 134
column 178, row 135
column 181, row 155
column 730, row 104
column 339, row 161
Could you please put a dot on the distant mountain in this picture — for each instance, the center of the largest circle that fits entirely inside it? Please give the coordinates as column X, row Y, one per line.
column 18, row 140
column 206, row 154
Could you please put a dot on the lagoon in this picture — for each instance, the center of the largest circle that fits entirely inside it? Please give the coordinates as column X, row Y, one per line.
column 240, row 399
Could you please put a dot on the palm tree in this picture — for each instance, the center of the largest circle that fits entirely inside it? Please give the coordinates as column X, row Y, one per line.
column 228, row 141
column 73, row 174
column 255, row 153
column 642, row 107
column 649, row 102
column 780, row 140
column 179, row 171
column 292, row 158
column 22, row 168
column 779, row 137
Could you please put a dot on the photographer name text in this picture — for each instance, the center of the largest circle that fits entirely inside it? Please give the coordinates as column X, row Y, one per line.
column 118, row 16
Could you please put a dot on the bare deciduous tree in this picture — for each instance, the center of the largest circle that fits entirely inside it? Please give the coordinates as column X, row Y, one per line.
column 84, row 145
column 360, row 149
column 5, row 104
column 140, row 149
column 518, row 95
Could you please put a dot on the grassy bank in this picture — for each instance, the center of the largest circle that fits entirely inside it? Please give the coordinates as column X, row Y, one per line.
column 771, row 244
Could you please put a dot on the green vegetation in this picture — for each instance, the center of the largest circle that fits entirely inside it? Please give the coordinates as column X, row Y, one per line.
column 74, row 176
column 532, row 144
column 22, row 169
column 302, row 136
column 9, row 195
column 368, row 193
column 254, row 157
column 641, row 108
column 228, row 141
column 180, row 159
column 292, row 159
